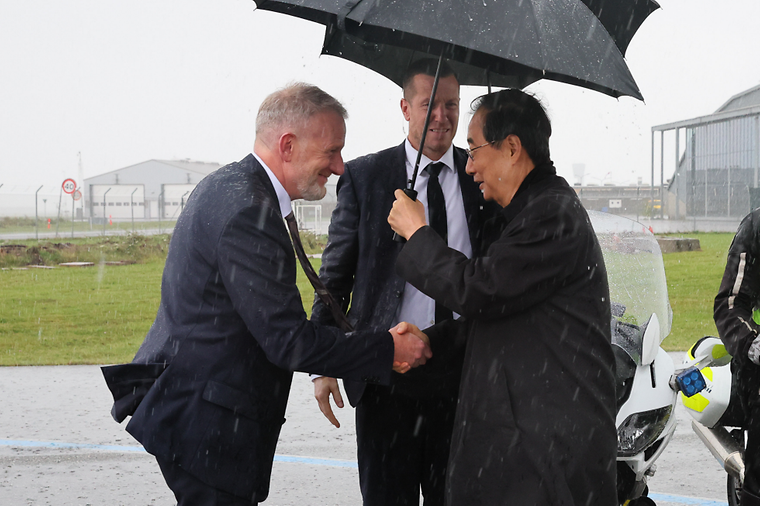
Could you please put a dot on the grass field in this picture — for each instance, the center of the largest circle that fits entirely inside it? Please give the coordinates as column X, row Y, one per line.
column 693, row 280
column 64, row 227
column 100, row 314
column 87, row 315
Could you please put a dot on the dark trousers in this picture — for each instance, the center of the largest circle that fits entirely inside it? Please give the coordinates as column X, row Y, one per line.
column 403, row 446
column 747, row 381
column 190, row 491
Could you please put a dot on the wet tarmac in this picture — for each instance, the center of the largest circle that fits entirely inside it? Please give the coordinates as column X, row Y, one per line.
column 60, row 446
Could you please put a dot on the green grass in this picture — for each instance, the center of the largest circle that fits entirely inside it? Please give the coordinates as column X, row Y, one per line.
column 26, row 225
column 131, row 247
column 100, row 314
column 87, row 315
column 90, row 315
column 693, row 281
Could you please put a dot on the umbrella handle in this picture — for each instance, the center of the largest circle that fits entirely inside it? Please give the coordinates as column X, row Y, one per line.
column 412, row 194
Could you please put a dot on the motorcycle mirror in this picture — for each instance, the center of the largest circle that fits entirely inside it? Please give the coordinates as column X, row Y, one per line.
column 650, row 343
column 720, row 355
column 710, row 352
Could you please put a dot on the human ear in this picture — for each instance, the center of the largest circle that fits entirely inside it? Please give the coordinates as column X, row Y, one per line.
column 286, row 146
column 514, row 144
column 405, row 108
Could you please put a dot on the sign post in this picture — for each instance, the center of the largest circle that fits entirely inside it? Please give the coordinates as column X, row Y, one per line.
column 76, row 195
column 68, row 186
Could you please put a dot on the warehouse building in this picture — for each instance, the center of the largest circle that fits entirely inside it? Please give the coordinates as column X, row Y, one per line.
column 158, row 190
column 717, row 160
column 151, row 190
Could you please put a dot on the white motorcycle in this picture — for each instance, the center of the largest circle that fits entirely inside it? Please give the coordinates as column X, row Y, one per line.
column 641, row 318
column 717, row 415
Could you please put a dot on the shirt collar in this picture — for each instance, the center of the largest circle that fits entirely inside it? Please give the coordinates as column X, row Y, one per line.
column 282, row 196
column 411, row 157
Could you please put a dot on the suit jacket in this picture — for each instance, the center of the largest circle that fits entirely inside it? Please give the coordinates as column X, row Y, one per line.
column 537, row 423
column 209, row 385
column 358, row 264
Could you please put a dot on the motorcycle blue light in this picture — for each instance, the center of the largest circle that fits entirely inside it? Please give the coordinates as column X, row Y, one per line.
column 691, row 381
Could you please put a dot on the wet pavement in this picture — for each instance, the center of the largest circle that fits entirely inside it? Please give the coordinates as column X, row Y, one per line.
column 60, row 446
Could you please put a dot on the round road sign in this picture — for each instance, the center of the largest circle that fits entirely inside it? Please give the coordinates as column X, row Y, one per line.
column 76, row 195
column 69, row 185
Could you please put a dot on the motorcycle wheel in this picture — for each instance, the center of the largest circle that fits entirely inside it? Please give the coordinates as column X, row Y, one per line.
column 734, row 490
column 642, row 501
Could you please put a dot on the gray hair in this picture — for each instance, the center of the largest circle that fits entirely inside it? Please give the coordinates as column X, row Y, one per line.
column 292, row 106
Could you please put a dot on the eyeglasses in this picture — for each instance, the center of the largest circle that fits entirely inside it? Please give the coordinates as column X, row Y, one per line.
column 470, row 151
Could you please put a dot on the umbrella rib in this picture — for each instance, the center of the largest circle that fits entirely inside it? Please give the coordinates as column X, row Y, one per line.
column 344, row 11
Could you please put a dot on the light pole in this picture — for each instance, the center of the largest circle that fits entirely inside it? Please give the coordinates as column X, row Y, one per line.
column 73, row 200
column 182, row 202
column 160, row 208
column 36, row 232
column 104, row 212
column 132, row 207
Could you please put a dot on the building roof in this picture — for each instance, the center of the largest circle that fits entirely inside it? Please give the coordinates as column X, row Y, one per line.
column 747, row 98
column 193, row 165
column 187, row 164
column 746, row 103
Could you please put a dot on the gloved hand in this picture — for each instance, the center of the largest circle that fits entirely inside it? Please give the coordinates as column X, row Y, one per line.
column 754, row 351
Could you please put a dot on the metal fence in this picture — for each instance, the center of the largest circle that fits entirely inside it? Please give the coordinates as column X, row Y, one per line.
column 714, row 161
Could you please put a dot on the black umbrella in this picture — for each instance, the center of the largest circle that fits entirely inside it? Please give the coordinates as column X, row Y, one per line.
column 622, row 18
column 508, row 43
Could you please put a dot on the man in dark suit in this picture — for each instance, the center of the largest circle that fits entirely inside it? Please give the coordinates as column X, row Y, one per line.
column 403, row 430
column 207, row 389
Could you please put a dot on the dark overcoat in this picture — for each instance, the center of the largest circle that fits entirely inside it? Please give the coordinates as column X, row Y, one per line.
column 535, row 423
column 359, row 262
column 209, row 385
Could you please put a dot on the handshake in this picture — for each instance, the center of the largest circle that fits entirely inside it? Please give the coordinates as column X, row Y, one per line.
column 411, row 347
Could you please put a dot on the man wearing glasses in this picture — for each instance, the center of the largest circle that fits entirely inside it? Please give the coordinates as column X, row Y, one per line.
column 403, row 430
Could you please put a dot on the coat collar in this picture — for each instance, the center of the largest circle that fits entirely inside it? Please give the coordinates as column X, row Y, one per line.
column 397, row 168
column 533, row 184
column 252, row 164
column 283, row 199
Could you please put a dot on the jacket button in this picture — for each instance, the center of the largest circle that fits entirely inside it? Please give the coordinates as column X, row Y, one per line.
column 398, row 293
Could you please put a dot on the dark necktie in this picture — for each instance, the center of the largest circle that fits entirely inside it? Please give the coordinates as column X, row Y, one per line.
column 438, row 222
column 436, row 202
column 322, row 291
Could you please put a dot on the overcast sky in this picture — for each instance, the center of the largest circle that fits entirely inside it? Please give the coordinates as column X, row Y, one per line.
column 124, row 82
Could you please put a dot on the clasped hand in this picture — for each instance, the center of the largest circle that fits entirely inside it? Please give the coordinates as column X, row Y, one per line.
column 411, row 348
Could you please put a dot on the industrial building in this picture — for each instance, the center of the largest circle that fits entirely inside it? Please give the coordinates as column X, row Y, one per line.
column 151, row 190
column 158, row 190
column 717, row 159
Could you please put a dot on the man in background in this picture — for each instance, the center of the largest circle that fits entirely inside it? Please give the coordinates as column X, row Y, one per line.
column 736, row 304
column 403, row 430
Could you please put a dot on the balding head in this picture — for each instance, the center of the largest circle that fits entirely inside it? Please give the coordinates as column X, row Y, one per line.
column 290, row 108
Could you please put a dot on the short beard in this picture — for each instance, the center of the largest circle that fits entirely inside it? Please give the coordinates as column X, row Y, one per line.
column 311, row 190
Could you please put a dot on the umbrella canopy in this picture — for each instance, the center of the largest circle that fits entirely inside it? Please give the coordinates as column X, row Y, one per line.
column 622, row 18
column 508, row 43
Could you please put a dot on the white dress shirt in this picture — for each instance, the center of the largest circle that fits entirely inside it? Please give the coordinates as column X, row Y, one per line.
column 283, row 199
column 416, row 307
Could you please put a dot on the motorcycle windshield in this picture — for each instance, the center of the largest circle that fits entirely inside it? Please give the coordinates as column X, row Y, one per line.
column 636, row 277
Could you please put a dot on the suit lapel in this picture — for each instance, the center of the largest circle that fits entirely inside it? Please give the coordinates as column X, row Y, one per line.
column 261, row 174
column 471, row 198
column 397, row 170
